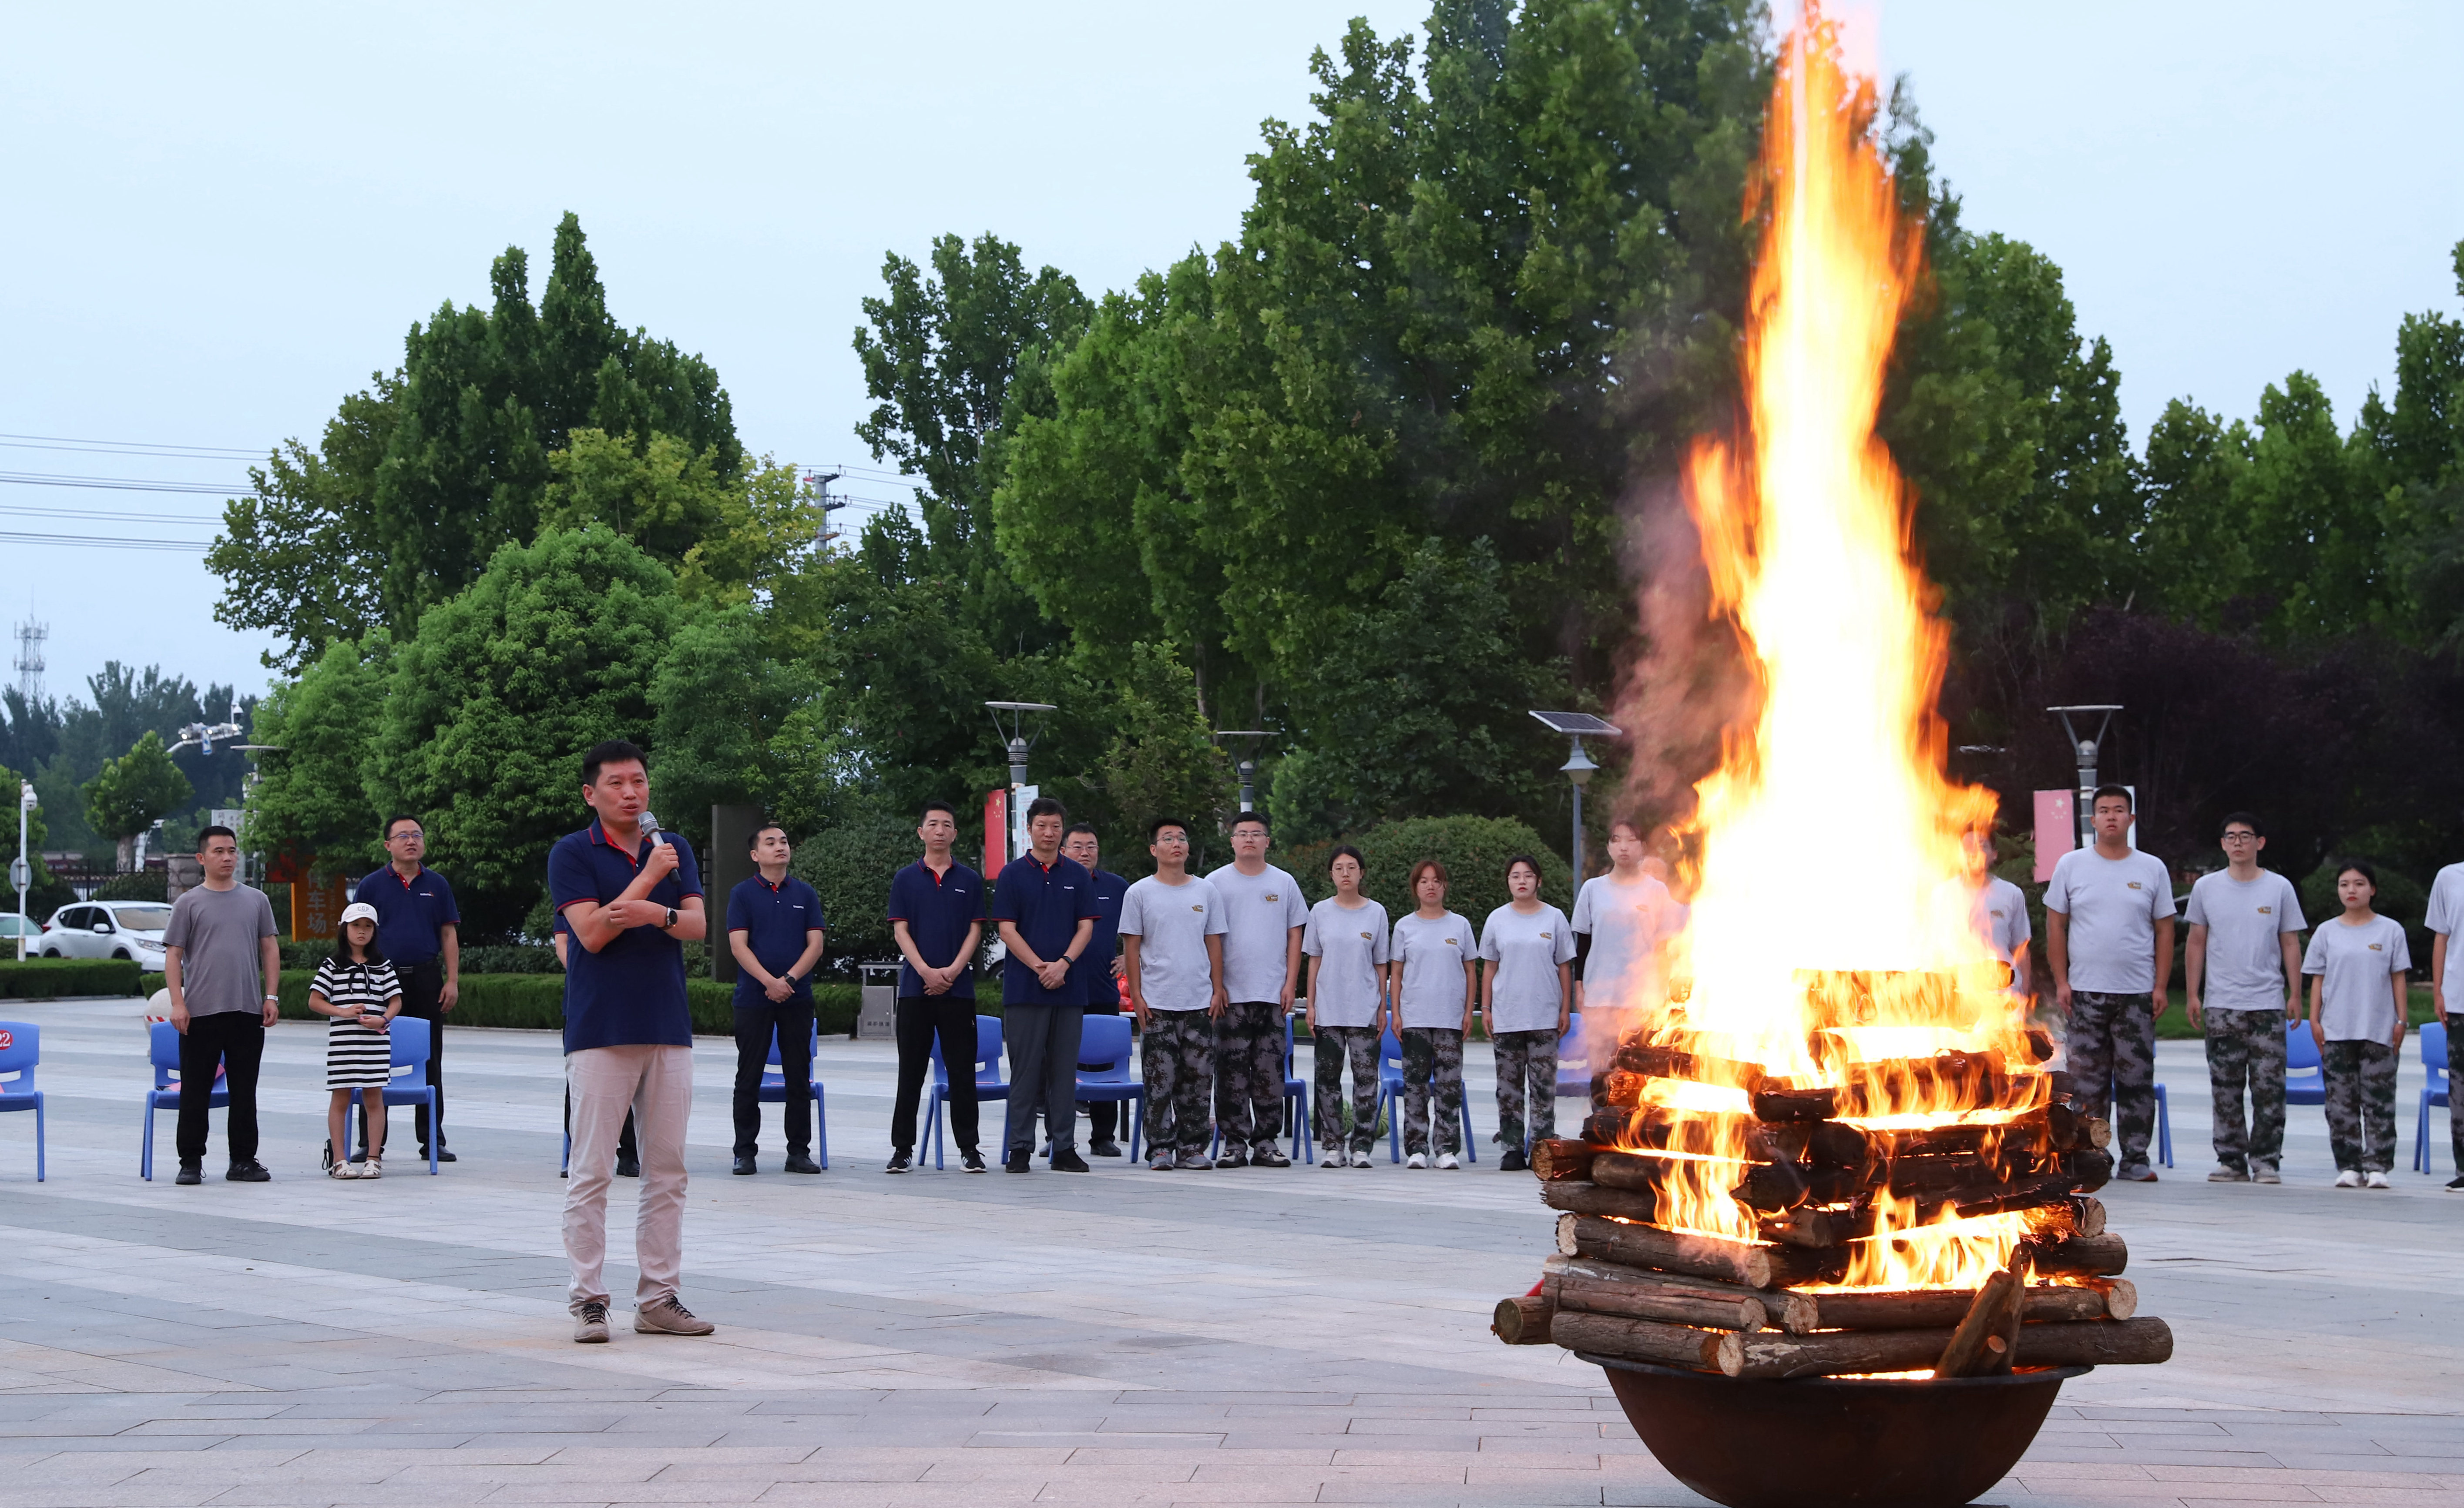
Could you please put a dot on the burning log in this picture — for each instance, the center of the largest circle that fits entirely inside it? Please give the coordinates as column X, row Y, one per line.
column 1932, row 1309
column 1577, row 1197
column 1522, row 1320
column 1694, row 1255
column 1797, row 1104
column 1652, row 1061
column 2119, row 1342
column 2082, row 1256
column 1598, row 1287
column 1647, row 1340
column 1558, row 1158
column 2109, row 1343
column 1995, row 1309
column 2091, row 1167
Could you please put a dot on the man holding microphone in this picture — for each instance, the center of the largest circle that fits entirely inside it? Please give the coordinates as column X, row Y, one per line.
column 633, row 897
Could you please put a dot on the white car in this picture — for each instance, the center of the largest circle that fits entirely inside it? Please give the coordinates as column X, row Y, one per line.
column 107, row 930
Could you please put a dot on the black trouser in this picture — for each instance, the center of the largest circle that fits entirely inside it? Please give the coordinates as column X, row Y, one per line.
column 423, row 984
column 920, row 1018
column 792, row 1020
column 236, row 1040
column 1042, row 1045
column 1103, row 1116
column 627, row 1149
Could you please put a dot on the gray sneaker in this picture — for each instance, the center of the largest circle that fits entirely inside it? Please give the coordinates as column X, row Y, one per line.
column 590, row 1323
column 667, row 1317
column 2227, row 1174
column 1234, row 1156
column 2265, row 1173
column 1269, row 1155
column 1195, row 1162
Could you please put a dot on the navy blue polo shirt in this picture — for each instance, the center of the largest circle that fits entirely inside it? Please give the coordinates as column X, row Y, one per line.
column 1094, row 966
column 1048, row 905
column 630, row 993
column 773, row 919
column 937, row 911
column 410, row 913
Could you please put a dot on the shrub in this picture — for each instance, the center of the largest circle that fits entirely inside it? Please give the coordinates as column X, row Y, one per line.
column 145, row 884
column 55, row 978
column 535, row 1002
column 2399, row 896
column 849, row 867
column 1474, row 849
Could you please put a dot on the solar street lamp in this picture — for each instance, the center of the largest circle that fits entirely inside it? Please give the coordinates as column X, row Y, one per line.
column 2083, row 810
column 1578, row 767
column 1019, row 734
column 1246, row 766
column 21, row 871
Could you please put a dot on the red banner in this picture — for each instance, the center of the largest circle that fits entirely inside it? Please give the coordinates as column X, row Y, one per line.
column 995, row 833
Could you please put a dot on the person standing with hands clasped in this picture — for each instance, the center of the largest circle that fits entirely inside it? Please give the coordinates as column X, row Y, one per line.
column 774, row 929
column 2357, row 963
column 937, row 916
column 1433, row 978
column 1525, row 990
column 1345, row 941
column 633, row 897
column 1099, row 969
column 356, row 987
column 1263, row 915
column 1172, row 960
column 2241, row 971
column 2110, row 942
column 1045, row 905
column 419, row 931
column 220, row 964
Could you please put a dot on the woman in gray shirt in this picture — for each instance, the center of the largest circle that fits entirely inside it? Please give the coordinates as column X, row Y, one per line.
column 2357, row 963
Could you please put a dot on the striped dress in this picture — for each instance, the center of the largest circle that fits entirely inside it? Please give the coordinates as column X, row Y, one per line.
column 355, row 1057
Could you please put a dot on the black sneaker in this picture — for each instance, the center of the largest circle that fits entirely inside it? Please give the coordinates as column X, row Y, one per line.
column 1068, row 1161
column 189, row 1173
column 1104, row 1148
column 250, row 1172
column 899, row 1161
column 1018, row 1162
column 745, row 1165
column 972, row 1160
column 1269, row 1156
column 2456, row 1185
column 1512, row 1162
column 444, row 1154
column 628, row 1167
column 802, row 1162
column 1234, row 1156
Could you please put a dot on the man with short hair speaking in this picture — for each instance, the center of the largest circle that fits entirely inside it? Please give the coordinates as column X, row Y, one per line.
column 631, row 898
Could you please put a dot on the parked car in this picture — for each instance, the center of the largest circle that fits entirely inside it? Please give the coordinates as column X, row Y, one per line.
column 8, row 930
column 107, row 930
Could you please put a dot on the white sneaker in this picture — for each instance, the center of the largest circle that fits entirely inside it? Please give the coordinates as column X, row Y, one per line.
column 1335, row 1157
column 1361, row 1160
column 2226, row 1173
column 2348, row 1179
column 2375, row 1181
column 2265, row 1173
column 1416, row 1160
column 1446, row 1161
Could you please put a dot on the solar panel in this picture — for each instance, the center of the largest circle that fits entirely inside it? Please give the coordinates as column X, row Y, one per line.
column 1579, row 724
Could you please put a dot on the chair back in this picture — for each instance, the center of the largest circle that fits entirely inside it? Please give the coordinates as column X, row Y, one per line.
column 988, row 1051
column 1288, row 1043
column 409, row 1035
column 21, row 1049
column 2302, row 1055
column 1389, row 1058
column 1574, row 1059
column 774, row 1067
column 1104, row 1050
column 163, row 1046
column 2434, row 1053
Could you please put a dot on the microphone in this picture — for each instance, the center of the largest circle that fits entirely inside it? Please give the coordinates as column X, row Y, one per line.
column 650, row 825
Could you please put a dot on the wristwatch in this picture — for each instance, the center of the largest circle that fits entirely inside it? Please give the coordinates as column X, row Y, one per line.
column 671, row 916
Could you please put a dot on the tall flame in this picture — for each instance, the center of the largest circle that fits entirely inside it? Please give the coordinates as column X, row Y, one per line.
column 1873, row 959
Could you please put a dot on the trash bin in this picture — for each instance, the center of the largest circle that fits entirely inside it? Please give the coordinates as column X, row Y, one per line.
column 876, row 1016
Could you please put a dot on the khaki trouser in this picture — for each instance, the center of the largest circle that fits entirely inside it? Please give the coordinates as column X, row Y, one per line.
column 656, row 1084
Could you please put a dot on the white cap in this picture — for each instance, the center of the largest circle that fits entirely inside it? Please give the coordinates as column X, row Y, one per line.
column 359, row 911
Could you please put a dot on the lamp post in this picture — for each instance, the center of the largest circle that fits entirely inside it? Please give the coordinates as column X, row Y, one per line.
column 1578, row 767
column 1017, row 740
column 21, row 872
column 2084, row 750
column 1245, row 766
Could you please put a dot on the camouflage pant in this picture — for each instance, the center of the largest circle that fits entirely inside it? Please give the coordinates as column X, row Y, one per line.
column 2112, row 1048
column 2247, row 1048
column 2361, row 1104
column 1526, row 1070
column 1250, row 1073
column 2455, row 1066
column 1177, row 1063
column 1331, row 1047
column 1432, row 1060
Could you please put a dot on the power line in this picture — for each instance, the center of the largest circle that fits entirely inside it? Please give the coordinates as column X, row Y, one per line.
column 88, row 542
column 196, row 452
column 123, row 484
column 110, row 513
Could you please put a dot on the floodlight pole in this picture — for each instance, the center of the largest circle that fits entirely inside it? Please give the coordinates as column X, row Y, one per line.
column 1246, row 765
column 21, row 873
column 1578, row 769
column 2084, row 750
column 1016, row 741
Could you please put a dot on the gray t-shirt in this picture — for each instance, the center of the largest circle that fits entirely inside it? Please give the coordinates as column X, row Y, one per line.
column 2445, row 918
column 1626, row 923
column 1526, row 950
column 1172, row 923
column 1350, row 946
column 216, row 932
column 2358, row 1002
column 2114, row 905
column 2246, row 923
column 1433, row 952
column 1260, row 911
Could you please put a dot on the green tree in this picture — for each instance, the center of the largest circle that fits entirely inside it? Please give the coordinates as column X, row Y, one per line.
column 723, row 695
column 44, row 895
column 1163, row 761
column 131, row 792
column 2198, row 560
column 849, row 867
column 492, row 704
column 723, row 533
column 312, row 799
column 297, row 556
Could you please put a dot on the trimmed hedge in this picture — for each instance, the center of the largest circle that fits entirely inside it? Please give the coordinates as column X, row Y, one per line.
column 54, row 978
column 535, row 1002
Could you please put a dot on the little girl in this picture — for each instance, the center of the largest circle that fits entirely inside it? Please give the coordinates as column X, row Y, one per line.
column 1526, row 989
column 1433, row 974
column 356, row 987
column 2357, row 963
column 1346, row 944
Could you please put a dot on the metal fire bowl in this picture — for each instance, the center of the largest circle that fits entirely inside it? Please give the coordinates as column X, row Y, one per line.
column 1824, row 1442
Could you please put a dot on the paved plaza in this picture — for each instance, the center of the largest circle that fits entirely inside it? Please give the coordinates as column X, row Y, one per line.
column 1127, row 1337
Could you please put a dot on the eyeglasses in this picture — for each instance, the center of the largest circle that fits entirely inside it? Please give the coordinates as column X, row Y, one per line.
column 2241, row 838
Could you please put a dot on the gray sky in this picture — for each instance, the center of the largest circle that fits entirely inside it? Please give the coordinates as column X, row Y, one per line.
column 225, row 218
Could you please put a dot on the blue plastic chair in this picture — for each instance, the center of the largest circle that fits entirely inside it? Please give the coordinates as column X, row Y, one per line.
column 1104, row 1071
column 989, row 1084
column 1390, row 1101
column 2306, row 1076
column 162, row 1045
column 409, row 1038
column 774, row 1091
column 2434, row 1058
column 2164, row 1124
column 21, row 1052
column 1295, row 1093
column 1576, row 1082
